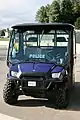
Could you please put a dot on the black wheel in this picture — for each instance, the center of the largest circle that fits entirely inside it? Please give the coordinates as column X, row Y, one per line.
column 62, row 99
column 9, row 94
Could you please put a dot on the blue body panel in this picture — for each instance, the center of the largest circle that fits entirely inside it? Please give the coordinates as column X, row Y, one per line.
column 36, row 67
column 57, row 69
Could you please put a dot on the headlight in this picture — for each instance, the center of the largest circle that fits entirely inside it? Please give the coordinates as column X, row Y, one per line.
column 56, row 75
column 15, row 74
column 59, row 75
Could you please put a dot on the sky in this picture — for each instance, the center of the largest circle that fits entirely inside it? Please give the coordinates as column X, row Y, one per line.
column 19, row 11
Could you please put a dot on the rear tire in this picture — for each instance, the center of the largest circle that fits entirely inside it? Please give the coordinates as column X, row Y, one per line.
column 9, row 93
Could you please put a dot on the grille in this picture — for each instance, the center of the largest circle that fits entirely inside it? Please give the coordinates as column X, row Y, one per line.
column 39, row 78
column 33, row 78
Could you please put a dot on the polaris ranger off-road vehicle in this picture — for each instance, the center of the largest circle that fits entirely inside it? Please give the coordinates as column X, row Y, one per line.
column 40, row 60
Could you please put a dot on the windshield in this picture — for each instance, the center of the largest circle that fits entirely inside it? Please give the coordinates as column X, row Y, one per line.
column 39, row 46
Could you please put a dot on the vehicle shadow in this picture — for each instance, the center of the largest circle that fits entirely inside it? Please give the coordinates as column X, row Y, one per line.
column 75, row 98
column 32, row 103
column 74, row 104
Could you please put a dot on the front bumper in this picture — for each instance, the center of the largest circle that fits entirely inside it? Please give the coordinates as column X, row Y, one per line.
column 45, row 86
column 42, row 84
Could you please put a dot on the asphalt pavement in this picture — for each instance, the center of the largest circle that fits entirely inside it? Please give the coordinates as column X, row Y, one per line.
column 29, row 108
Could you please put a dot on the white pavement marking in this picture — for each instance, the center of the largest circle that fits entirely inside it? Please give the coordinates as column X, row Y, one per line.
column 5, row 117
column 4, row 44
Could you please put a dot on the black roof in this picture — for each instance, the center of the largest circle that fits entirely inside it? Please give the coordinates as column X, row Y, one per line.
column 33, row 26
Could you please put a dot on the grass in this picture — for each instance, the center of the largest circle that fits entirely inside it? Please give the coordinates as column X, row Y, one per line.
column 4, row 39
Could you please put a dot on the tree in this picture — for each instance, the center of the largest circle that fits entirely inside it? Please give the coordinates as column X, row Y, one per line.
column 41, row 15
column 76, row 10
column 77, row 23
column 75, row 1
column 59, row 11
column 47, row 8
column 54, row 12
column 2, row 33
column 67, row 11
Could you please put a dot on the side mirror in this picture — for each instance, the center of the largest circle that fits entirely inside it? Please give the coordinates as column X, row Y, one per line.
column 74, row 57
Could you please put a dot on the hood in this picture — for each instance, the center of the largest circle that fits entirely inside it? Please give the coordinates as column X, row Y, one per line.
column 36, row 67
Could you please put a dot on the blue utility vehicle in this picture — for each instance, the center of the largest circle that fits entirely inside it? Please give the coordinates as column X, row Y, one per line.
column 41, row 61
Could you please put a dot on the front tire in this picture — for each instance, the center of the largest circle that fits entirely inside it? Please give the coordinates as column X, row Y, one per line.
column 62, row 99
column 9, row 93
